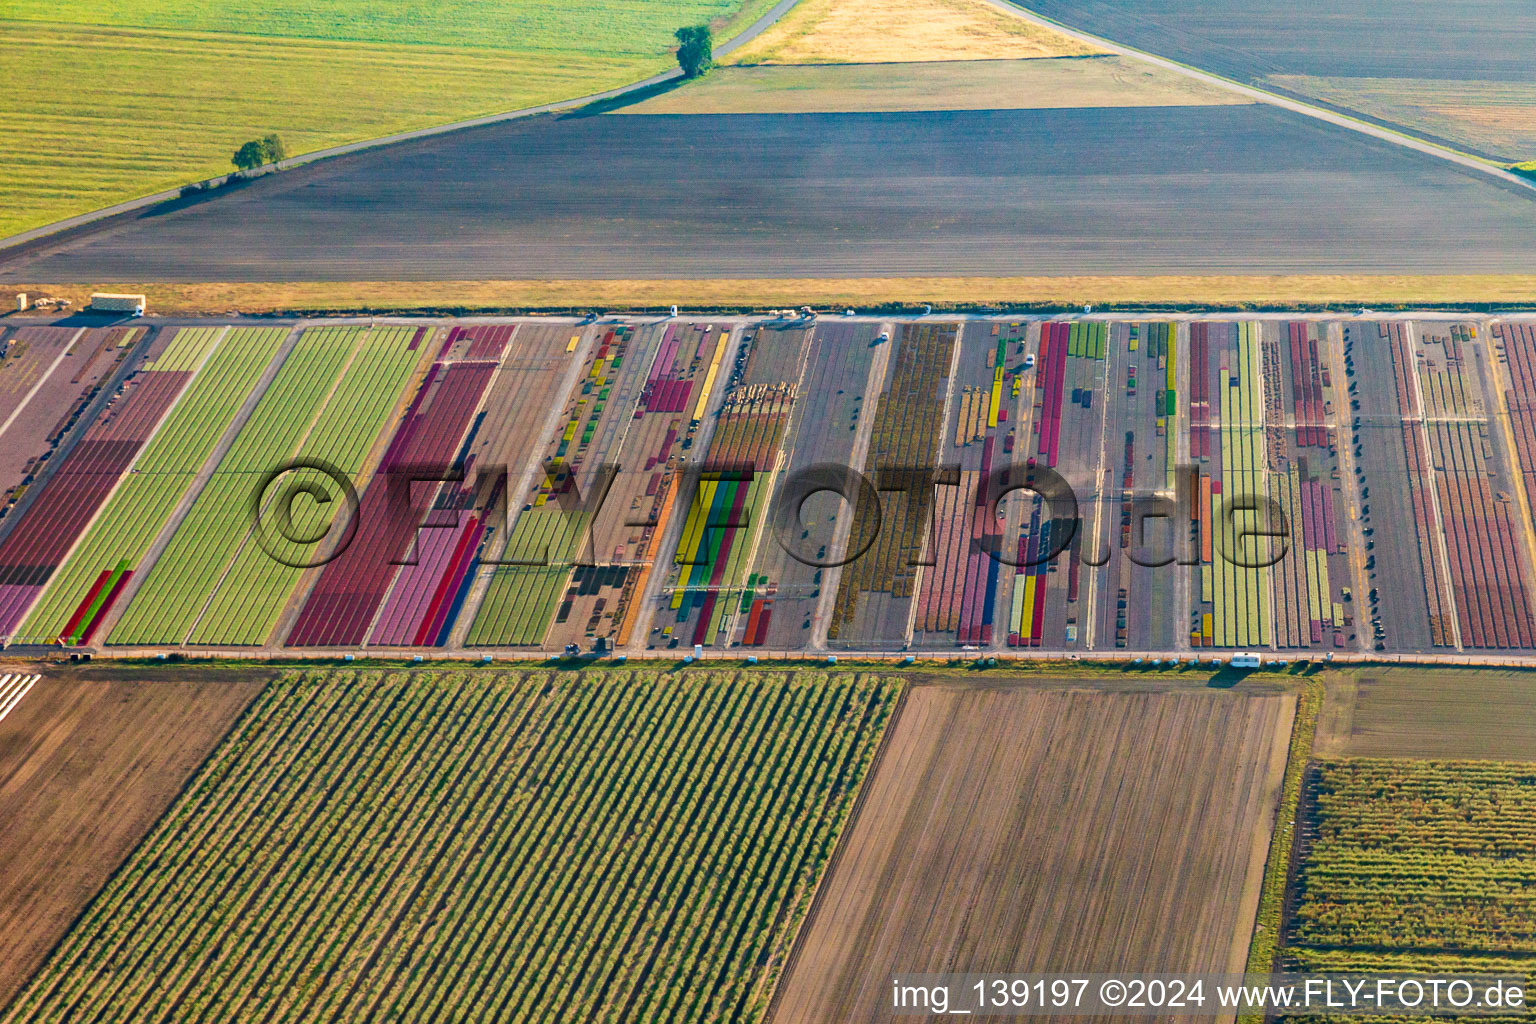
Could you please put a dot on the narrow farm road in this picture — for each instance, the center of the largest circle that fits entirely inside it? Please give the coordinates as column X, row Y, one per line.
column 1285, row 103
column 747, row 35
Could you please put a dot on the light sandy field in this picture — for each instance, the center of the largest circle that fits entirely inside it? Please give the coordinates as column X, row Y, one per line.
column 1433, row 713
column 875, row 31
column 934, row 85
column 217, row 298
column 1497, row 119
column 1028, row 830
column 86, row 767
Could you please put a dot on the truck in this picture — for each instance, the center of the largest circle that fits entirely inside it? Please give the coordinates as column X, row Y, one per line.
column 115, row 302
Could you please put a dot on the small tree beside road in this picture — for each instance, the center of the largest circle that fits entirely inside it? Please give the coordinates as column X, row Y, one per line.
column 266, row 150
column 695, row 50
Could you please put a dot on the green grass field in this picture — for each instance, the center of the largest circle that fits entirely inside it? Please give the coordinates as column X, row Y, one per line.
column 474, row 846
column 110, row 102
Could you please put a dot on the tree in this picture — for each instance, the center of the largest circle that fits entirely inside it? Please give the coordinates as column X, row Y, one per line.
column 695, row 50
column 253, row 154
column 250, row 156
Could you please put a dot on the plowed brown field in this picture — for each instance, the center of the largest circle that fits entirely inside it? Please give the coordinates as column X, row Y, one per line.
column 1047, row 831
column 86, row 766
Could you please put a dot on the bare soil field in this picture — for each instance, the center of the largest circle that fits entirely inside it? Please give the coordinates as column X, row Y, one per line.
column 1312, row 43
column 1038, row 830
column 1428, row 713
column 87, row 764
column 1245, row 189
column 1047, row 82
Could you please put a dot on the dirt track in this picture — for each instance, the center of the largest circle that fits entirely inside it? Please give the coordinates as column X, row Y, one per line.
column 1157, row 190
column 1036, row 831
column 86, row 767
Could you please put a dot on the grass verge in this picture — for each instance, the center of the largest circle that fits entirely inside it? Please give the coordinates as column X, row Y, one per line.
column 1266, row 928
column 1279, row 292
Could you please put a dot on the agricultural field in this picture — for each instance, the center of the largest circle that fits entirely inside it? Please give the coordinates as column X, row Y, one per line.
column 318, row 74
column 537, row 483
column 1386, row 712
column 88, row 762
column 346, row 851
column 973, row 797
column 1042, row 82
column 1422, row 864
column 835, row 195
column 1456, row 72
column 889, row 31
column 48, row 376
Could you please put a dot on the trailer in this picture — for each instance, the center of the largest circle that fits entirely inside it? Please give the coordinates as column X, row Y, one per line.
column 115, row 302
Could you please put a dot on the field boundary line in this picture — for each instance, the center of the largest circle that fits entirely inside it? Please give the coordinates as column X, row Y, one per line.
column 144, row 202
column 1258, row 95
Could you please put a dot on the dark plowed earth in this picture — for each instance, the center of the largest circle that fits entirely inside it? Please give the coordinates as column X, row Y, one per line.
column 1221, row 189
column 1244, row 39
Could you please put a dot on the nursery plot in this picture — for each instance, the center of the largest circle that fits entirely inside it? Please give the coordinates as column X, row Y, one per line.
column 1478, row 516
column 99, row 573
column 349, row 852
column 1313, row 593
column 1045, row 795
column 1236, row 558
column 214, row 582
column 1145, row 549
column 65, row 505
column 1066, row 413
column 426, row 447
column 834, row 396
column 709, row 590
column 958, row 594
column 429, row 592
column 671, row 419
column 577, row 532
column 876, row 590
column 48, row 375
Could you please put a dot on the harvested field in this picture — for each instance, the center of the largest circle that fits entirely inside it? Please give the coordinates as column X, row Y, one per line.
column 882, row 31
column 836, row 195
column 1473, row 44
column 593, row 846
column 1497, row 119
column 1455, row 714
column 87, row 765
column 938, row 85
column 974, row 799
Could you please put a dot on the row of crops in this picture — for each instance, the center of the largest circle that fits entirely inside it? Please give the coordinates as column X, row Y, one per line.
column 478, row 846
column 215, row 584
column 1415, row 866
column 581, row 437
column 905, row 438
